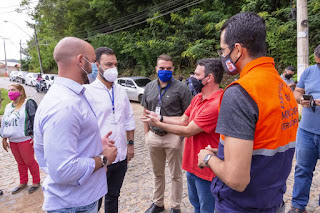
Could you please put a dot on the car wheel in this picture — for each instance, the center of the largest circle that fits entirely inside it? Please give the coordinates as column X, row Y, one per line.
column 140, row 98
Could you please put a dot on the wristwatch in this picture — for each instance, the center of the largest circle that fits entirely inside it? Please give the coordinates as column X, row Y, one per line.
column 207, row 158
column 104, row 160
column 130, row 142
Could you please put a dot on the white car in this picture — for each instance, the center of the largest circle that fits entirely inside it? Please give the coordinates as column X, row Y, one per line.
column 13, row 75
column 134, row 86
column 31, row 79
column 49, row 79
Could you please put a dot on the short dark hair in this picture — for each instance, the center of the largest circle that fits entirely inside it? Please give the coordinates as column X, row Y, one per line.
column 212, row 66
column 317, row 51
column 291, row 68
column 248, row 29
column 164, row 57
column 103, row 50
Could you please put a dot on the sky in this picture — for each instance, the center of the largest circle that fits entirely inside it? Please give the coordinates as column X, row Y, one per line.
column 10, row 31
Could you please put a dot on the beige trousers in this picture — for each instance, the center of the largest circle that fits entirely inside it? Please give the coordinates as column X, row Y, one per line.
column 168, row 147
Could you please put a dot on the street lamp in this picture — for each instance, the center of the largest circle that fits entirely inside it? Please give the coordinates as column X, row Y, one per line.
column 36, row 41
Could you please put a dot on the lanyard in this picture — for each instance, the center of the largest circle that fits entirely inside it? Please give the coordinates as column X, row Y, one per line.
column 112, row 98
column 161, row 95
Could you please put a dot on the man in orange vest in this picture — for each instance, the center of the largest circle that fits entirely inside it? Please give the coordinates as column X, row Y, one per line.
column 258, row 121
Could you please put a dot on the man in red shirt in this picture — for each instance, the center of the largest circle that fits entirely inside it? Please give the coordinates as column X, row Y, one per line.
column 198, row 125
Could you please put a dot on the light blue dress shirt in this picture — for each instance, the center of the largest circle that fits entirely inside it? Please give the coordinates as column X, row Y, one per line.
column 66, row 137
column 310, row 82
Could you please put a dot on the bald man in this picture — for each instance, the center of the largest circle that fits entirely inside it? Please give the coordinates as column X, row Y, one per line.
column 67, row 139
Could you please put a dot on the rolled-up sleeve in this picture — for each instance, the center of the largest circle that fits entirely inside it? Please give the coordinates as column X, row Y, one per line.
column 61, row 131
column 129, row 121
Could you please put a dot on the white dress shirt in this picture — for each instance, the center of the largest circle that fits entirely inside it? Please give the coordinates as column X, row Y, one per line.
column 120, row 122
column 66, row 138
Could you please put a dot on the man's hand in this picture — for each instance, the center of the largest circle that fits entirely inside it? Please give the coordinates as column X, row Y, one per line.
column 201, row 155
column 305, row 103
column 130, row 152
column 5, row 144
column 151, row 117
column 109, row 149
column 317, row 102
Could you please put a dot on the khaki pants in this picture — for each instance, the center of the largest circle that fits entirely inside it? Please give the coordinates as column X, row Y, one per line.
column 168, row 147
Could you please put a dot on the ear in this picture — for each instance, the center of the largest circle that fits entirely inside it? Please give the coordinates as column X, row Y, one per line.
column 156, row 67
column 172, row 69
column 211, row 78
column 239, row 49
column 80, row 60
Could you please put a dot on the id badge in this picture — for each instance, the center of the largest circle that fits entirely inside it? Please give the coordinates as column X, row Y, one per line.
column 158, row 109
column 114, row 119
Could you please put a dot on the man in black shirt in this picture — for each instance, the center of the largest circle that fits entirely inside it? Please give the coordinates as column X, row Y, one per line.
column 167, row 97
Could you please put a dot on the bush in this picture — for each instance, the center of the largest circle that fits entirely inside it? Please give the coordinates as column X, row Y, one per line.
column 5, row 101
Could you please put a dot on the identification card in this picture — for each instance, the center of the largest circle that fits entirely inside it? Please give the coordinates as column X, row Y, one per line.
column 114, row 119
column 158, row 109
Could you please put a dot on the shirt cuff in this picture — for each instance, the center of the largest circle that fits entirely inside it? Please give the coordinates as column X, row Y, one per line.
column 90, row 164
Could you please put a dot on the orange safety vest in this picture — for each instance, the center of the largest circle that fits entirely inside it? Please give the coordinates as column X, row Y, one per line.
column 274, row 140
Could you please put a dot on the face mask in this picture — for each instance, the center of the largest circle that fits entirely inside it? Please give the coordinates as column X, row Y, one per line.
column 13, row 95
column 228, row 65
column 164, row 75
column 110, row 74
column 288, row 76
column 94, row 71
column 197, row 84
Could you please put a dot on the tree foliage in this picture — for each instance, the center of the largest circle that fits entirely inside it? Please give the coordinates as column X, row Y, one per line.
column 139, row 31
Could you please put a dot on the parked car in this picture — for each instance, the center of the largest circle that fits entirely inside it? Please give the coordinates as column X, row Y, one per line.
column 31, row 79
column 13, row 75
column 21, row 77
column 134, row 86
column 49, row 79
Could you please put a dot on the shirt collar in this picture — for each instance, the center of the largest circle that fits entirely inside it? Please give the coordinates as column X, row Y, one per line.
column 256, row 62
column 70, row 84
column 99, row 84
column 171, row 80
column 214, row 95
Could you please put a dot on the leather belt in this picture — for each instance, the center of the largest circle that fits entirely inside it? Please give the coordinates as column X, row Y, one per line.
column 159, row 133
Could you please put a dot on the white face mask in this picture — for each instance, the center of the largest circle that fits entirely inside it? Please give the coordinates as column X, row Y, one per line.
column 110, row 74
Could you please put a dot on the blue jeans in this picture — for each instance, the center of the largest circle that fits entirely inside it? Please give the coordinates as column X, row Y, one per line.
column 91, row 208
column 307, row 154
column 200, row 194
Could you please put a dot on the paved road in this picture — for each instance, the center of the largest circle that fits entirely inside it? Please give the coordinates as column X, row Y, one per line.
column 137, row 189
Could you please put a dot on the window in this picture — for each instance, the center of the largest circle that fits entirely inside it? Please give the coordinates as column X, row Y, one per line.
column 130, row 84
column 122, row 82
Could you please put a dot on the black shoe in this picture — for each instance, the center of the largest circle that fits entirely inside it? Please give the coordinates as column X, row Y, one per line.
column 1, row 192
column 175, row 210
column 33, row 189
column 18, row 189
column 296, row 210
column 155, row 209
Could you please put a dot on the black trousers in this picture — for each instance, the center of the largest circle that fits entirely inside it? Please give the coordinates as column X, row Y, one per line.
column 115, row 176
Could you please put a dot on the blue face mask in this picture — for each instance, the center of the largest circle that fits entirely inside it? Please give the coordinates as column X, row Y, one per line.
column 94, row 72
column 164, row 75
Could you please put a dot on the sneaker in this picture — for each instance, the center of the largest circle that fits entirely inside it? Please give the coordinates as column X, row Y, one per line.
column 296, row 210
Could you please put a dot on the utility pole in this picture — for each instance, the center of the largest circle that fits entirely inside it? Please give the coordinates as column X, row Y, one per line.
column 5, row 55
column 20, row 56
column 39, row 56
column 302, row 37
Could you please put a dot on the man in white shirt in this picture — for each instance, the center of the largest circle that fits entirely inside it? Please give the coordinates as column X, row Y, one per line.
column 112, row 107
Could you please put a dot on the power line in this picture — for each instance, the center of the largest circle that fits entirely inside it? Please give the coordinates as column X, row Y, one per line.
column 133, row 17
column 149, row 19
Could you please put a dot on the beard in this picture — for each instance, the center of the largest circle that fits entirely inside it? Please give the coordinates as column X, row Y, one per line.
column 84, row 75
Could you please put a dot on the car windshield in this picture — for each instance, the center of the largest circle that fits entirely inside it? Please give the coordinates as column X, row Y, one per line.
column 142, row 82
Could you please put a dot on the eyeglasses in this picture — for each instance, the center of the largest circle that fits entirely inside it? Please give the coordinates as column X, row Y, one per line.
column 221, row 51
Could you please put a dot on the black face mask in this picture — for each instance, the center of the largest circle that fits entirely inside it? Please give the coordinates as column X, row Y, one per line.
column 197, row 84
column 288, row 76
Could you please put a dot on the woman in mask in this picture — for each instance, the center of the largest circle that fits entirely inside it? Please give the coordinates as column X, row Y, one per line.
column 17, row 133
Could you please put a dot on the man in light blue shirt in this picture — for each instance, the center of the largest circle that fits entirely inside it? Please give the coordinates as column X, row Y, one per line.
column 67, row 139
column 308, row 135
